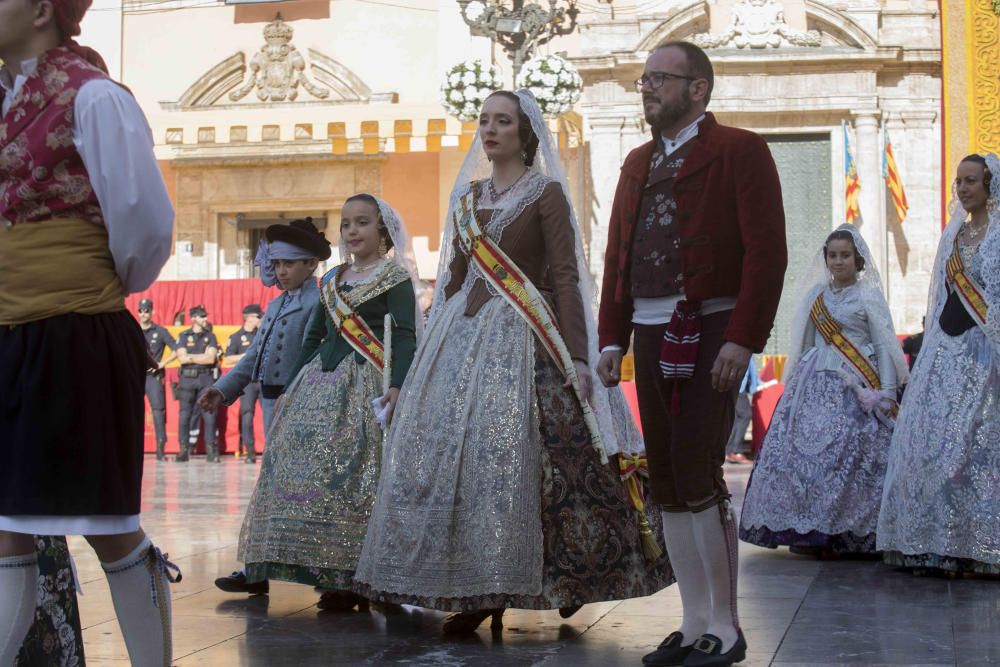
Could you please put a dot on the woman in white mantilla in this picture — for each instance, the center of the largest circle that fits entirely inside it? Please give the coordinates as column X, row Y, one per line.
column 941, row 507
column 493, row 491
column 817, row 484
column 307, row 517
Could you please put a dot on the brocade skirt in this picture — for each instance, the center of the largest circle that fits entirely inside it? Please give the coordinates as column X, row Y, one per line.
column 492, row 494
column 308, row 513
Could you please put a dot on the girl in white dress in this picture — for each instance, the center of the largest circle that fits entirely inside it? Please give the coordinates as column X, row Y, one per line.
column 817, row 484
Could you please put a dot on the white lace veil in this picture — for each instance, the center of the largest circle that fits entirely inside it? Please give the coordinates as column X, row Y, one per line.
column 879, row 317
column 401, row 252
column 613, row 415
column 989, row 250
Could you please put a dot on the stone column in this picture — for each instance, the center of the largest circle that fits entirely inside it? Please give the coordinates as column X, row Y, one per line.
column 869, row 164
column 612, row 131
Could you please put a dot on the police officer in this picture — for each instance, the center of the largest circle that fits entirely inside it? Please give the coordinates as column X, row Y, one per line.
column 198, row 352
column 239, row 343
column 157, row 339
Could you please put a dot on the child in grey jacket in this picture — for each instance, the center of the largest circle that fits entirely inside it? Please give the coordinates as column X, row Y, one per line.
column 288, row 257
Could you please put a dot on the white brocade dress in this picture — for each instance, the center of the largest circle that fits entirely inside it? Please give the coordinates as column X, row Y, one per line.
column 818, row 480
column 941, row 506
column 491, row 493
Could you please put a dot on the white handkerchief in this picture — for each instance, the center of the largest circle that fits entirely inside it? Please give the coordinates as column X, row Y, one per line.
column 381, row 407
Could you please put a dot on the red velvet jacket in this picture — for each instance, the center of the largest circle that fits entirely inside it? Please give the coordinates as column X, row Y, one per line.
column 732, row 230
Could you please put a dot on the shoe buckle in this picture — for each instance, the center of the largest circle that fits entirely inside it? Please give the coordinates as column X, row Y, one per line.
column 705, row 645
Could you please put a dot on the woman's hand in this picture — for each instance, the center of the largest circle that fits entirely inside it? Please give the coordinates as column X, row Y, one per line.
column 389, row 399
column 586, row 380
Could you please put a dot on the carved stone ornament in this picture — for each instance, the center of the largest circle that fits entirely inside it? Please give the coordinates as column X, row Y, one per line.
column 278, row 69
column 758, row 24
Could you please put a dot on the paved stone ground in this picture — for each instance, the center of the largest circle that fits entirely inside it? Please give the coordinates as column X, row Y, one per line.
column 795, row 611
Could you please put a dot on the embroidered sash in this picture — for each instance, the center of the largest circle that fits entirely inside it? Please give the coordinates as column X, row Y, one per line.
column 515, row 287
column 970, row 293
column 352, row 326
column 833, row 334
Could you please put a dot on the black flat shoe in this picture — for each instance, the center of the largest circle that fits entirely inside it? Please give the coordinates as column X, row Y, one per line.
column 466, row 622
column 342, row 601
column 669, row 653
column 707, row 652
column 237, row 583
column 566, row 612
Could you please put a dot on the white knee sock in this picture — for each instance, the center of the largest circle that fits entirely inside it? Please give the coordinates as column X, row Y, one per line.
column 678, row 532
column 142, row 602
column 18, row 598
column 715, row 534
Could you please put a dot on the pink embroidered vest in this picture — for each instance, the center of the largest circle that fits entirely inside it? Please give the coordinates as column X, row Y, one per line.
column 54, row 254
column 41, row 173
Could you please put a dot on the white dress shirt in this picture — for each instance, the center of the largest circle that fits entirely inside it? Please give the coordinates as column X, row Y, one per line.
column 658, row 310
column 111, row 134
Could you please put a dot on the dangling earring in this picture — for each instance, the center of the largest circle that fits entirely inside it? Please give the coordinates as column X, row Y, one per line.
column 524, row 156
column 383, row 247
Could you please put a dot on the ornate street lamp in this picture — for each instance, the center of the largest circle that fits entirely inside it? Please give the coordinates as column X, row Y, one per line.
column 520, row 28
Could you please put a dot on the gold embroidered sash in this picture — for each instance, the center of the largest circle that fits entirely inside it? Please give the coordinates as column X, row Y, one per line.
column 833, row 334
column 352, row 326
column 970, row 293
column 517, row 290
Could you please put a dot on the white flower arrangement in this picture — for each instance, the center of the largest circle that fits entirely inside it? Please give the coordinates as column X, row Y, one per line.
column 555, row 83
column 466, row 86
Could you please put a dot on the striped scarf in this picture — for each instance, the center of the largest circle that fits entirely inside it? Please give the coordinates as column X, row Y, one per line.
column 679, row 351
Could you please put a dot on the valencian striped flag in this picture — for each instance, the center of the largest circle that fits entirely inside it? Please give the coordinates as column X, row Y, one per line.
column 890, row 172
column 852, row 186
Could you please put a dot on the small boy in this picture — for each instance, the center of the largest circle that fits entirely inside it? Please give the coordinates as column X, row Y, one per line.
column 288, row 257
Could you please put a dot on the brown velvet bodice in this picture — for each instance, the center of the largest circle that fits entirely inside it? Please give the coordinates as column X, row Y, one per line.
column 542, row 244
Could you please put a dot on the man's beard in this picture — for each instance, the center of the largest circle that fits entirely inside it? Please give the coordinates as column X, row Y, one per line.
column 670, row 112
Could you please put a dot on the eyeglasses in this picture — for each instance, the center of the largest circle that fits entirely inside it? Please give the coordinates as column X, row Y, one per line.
column 145, row 310
column 656, row 79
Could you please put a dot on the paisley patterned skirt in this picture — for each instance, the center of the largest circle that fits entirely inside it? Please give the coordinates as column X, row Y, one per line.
column 941, row 507
column 55, row 639
column 491, row 493
column 307, row 517
column 818, row 480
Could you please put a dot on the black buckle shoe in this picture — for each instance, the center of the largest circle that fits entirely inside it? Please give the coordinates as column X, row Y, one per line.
column 669, row 653
column 237, row 583
column 707, row 652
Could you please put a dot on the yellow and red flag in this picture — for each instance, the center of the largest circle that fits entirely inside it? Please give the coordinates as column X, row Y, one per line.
column 852, row 185
column 890, row 172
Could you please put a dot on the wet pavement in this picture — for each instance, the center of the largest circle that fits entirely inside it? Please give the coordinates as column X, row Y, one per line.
column 794, row 610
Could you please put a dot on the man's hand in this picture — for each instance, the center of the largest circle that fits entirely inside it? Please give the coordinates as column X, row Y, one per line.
column 609, row 368
column 210, row 399
column 730, row 366
column 585, row 378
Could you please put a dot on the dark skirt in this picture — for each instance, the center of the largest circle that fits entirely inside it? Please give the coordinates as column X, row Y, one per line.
column 71, row 415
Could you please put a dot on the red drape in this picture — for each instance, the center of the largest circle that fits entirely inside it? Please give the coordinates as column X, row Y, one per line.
column 227, row 423
column 223, row 299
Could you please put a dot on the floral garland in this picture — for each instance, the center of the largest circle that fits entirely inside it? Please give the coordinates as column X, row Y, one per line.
column 555, row 83
column 466, row 86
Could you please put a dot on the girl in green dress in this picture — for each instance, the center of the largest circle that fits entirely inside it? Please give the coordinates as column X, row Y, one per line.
column 309, row 512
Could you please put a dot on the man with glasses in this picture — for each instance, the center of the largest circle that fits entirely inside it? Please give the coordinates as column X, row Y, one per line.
column 157, row 339
column 693, row 273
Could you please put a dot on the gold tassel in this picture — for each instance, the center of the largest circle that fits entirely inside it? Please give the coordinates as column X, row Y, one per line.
column 650, row 547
